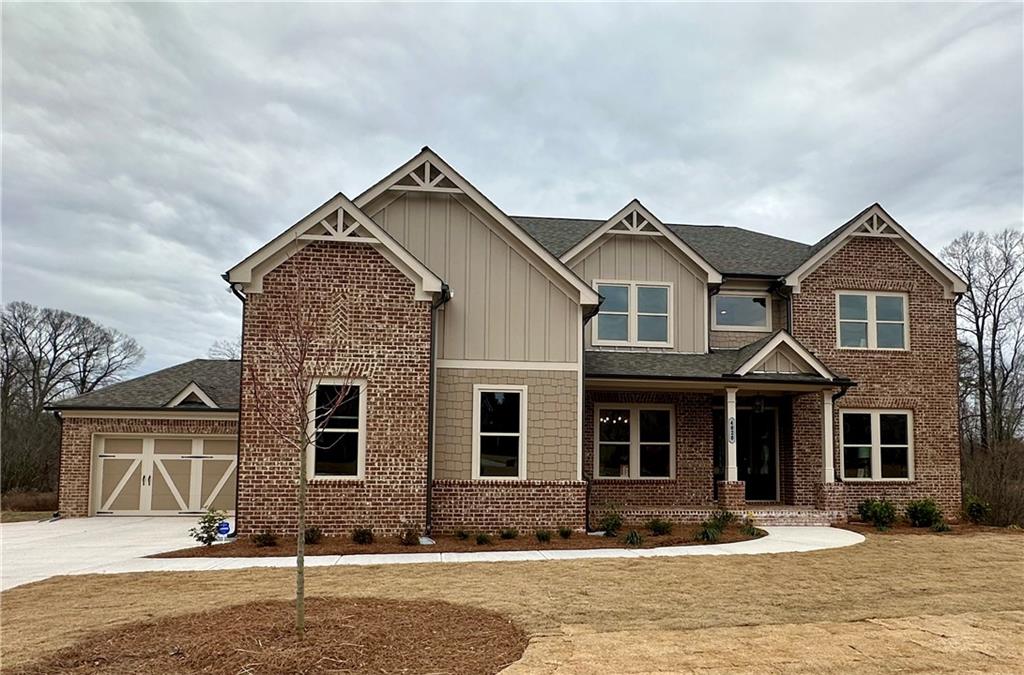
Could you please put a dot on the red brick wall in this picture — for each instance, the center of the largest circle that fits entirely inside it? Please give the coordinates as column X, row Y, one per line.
column 76, row 449
column 489, row 506
column 372, row 326
column 922, row 379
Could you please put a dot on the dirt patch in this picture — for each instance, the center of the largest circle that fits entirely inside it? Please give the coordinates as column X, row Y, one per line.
column 342, row 635
column 904, row 528
column 682, row 535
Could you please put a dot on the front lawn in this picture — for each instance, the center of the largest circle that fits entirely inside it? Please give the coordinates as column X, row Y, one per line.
column 924, row 603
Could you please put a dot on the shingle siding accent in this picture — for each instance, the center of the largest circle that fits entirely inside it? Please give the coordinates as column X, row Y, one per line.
column 923, row 379
column 551, row 426
column 77, row 449
column 488, row 506
column 373, row 325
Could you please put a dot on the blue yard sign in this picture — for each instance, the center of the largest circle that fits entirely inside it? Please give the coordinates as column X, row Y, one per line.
column 223, row 528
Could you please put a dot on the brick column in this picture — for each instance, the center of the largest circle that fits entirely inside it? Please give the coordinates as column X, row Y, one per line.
column 732, row 495
column 831, row 497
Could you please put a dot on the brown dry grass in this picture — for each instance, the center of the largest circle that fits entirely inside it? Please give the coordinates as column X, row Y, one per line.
column 575, row 611
column 28, row 500
column 23, row 516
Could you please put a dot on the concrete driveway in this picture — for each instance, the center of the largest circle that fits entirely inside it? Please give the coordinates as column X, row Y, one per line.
column 34, row 551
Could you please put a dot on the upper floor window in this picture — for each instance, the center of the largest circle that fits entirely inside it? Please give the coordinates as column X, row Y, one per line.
column 877, row 444
column 742, row 311
column 339, row 430
column 499, row 431
column 634, row 313
column 634, row 441
column 869, row 320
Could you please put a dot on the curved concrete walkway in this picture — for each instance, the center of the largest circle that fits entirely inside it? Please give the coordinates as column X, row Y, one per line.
column 778, row 540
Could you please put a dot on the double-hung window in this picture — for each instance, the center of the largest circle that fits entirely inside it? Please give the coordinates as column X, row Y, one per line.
column 742, row 312
column 634, row 313
column 499, row 431
column 870, row 320
column 634, row 441
column 338, row 420
column 877, row 444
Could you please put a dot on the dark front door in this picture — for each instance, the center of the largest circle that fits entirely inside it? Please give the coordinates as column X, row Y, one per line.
column 757, row 452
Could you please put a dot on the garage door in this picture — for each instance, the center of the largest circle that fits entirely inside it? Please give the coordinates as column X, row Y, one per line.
column 164, row 475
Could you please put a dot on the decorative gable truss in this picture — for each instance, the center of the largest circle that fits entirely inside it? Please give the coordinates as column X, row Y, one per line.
column 783, row 355
column 338, row 220
column 426, row 177
column 875, row 222
column 192, row 396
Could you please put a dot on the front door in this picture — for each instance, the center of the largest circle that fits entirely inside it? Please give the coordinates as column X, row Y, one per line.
column 757, row 451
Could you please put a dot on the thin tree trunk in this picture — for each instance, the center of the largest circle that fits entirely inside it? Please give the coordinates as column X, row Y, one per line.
column 300, row 551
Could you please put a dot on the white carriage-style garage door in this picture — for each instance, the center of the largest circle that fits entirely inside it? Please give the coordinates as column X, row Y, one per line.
column 163, row 475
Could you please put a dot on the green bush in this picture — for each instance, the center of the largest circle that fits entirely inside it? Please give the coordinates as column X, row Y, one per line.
column 264, row 539
column 313, row 535
column 923, row 513
column 747, row 527
column 634, row 538
column 879, row 512
column 461, row 534
column 543, row 536
column 611, row 523
column 362, row 536
column 659, row 526
column 709, row 532
column 722, row 520
column 564, row 531
column 205, row 532
column 482, row 539
column 977, row 510
column 509, row 533
column 941, row 526
column 410, row 536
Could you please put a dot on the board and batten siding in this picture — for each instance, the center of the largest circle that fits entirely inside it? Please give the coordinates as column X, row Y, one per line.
column 503, row 306
column 643, row 258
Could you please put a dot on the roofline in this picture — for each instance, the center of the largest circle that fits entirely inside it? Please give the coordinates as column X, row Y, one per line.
column 783, row 337
column 726, row 377
column 125, row 408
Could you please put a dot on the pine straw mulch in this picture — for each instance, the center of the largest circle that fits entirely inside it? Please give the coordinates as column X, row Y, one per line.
column 682, row 535
column 354, row 635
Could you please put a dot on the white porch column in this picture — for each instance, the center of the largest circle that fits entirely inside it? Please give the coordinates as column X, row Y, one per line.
column 731, row 472
column 826, row 438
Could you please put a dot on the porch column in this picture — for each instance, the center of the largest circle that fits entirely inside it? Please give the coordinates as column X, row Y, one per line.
column 731, row 472
column 827, row 448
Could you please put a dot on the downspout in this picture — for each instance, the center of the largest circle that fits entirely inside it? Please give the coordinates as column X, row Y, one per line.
column 238, row 427
column 586, row 498
column 60, row 457
column 444, row 297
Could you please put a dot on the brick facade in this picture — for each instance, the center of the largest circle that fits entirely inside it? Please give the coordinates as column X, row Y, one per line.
column 373, row 327
column 489, row 506
column 76, row 450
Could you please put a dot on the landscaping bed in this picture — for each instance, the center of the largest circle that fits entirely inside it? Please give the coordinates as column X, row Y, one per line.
column 902, row 527
column 681, row 535
column 342, row 635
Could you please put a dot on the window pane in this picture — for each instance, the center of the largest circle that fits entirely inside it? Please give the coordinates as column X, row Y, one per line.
column 894, row 429
column 857, row 461
column 499, row 456
column 616, row 298
column 613, row 460
column 894, row 463
column 655, row 461
column 856, row 429
column 654, row 426
column 890, row 335
column 889, row 308
column 614, row 425
column 853, row 334
column 652, row 300
column 741, row 310
column 337, row 454
column 499, row 411
column 853, row 307
column 330, row 412
column 611, row 327
column 652, row 328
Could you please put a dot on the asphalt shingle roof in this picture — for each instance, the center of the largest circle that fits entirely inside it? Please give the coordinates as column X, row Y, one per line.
column 218, row 378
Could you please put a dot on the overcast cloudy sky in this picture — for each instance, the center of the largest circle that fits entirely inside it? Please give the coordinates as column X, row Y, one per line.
column 147, row 148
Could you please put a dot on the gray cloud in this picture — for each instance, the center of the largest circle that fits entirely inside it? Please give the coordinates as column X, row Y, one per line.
column 147, row 148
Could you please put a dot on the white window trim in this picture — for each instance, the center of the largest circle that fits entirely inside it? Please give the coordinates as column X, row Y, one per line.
column 632, row 315
column 767, row 328
column 873, row 322
column 876, row 445
column 634, row 439
column 311, row 430
column 479, row 389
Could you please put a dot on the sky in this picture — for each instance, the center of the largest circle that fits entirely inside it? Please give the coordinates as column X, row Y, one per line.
column 148, row 148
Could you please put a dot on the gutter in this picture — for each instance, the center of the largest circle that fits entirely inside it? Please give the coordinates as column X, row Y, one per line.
column 445, row 296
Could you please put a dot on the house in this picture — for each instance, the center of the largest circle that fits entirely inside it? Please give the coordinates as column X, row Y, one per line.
column 526, row 371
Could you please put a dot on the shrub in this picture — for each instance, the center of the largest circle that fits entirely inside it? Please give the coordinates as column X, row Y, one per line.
column 482, row 539
column 611, row 523
column 264, row 539
column 977, row 510
column 509, row 533
column 543, row 536
column 313, row 535
column 941, row 526
column 461, row 534
column 205, row 532
column 708, row 532
column 879, row 512
column 409, row 536
column 659, row 526
column 564, row 531
column 634, row 538
column 722, row 519
column 747, row 527
column 923, row 513
column 362, row 536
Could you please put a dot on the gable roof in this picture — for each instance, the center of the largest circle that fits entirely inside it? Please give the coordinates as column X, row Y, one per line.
column 218, row 379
